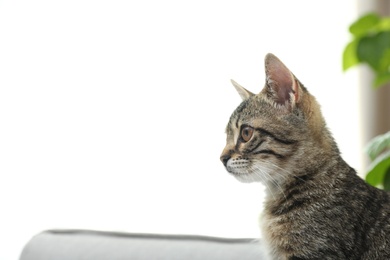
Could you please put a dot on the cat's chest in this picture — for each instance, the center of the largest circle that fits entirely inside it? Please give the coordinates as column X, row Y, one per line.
column 274, row 231
column 286, row 235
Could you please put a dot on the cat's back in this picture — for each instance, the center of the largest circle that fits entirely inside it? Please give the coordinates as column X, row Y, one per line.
column 377, row 225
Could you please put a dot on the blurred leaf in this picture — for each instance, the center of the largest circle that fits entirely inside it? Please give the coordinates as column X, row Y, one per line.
column 378, row 145
column 384, row 24
column 381, row 79
column 349, row 55
column 371, row 49
column 384, row 63
column 378, row 169
column 363, row 25
column 386, row 180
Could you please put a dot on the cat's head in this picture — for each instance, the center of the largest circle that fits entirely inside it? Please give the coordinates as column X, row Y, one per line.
column 278, row 133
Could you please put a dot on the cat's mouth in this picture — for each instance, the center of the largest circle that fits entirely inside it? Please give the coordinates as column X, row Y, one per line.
column 240, row 169
column 237, row 165
column 246, row 171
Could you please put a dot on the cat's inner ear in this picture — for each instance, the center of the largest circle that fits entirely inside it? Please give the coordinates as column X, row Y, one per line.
column 281, row 84
column 244, row 94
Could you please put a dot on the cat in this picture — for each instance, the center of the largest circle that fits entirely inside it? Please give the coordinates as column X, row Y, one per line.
column 316, row 206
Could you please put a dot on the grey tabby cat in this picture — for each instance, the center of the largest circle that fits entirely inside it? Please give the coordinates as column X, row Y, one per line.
column 316, row 206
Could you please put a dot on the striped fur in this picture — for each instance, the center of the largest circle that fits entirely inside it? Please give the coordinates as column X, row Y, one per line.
column 316, row 206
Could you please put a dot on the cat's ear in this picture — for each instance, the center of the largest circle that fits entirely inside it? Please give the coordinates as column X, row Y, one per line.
column 244, row 94
column 281, row 85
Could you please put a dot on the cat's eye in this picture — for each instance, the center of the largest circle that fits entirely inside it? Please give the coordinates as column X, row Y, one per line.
column 246, row 133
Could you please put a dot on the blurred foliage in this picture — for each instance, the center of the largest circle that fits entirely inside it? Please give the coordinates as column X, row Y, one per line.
column 370, row 45
column 379, row 152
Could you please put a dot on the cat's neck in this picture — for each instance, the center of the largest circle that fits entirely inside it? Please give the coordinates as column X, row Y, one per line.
column 319, row 177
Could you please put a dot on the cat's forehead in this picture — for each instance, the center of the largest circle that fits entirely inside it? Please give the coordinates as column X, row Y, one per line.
column 250, row 111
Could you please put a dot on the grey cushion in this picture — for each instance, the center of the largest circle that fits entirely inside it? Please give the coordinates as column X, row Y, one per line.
column 95, row 245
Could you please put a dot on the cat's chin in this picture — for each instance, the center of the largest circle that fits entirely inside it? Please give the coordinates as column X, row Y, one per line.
column 244, row 172
column 246, row 178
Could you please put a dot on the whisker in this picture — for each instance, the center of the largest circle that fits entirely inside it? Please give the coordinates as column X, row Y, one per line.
column 277, row 184
column 261, row 176
column 269, row 169
column 283, row 170
column 269, row 177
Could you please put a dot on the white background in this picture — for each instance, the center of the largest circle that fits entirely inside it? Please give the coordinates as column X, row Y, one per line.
column 112, row 113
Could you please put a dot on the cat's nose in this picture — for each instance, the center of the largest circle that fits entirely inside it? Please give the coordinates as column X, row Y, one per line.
column 225, row 158
column 226, row 154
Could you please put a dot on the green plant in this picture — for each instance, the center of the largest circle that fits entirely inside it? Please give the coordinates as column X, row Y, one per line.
column 379, row 153
column 370, row 45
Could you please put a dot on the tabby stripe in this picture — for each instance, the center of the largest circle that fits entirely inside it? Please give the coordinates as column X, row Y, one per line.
column 283, row 141
column 238, row 111
column 270, row 152
column 238, row 119
column 254, row 148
